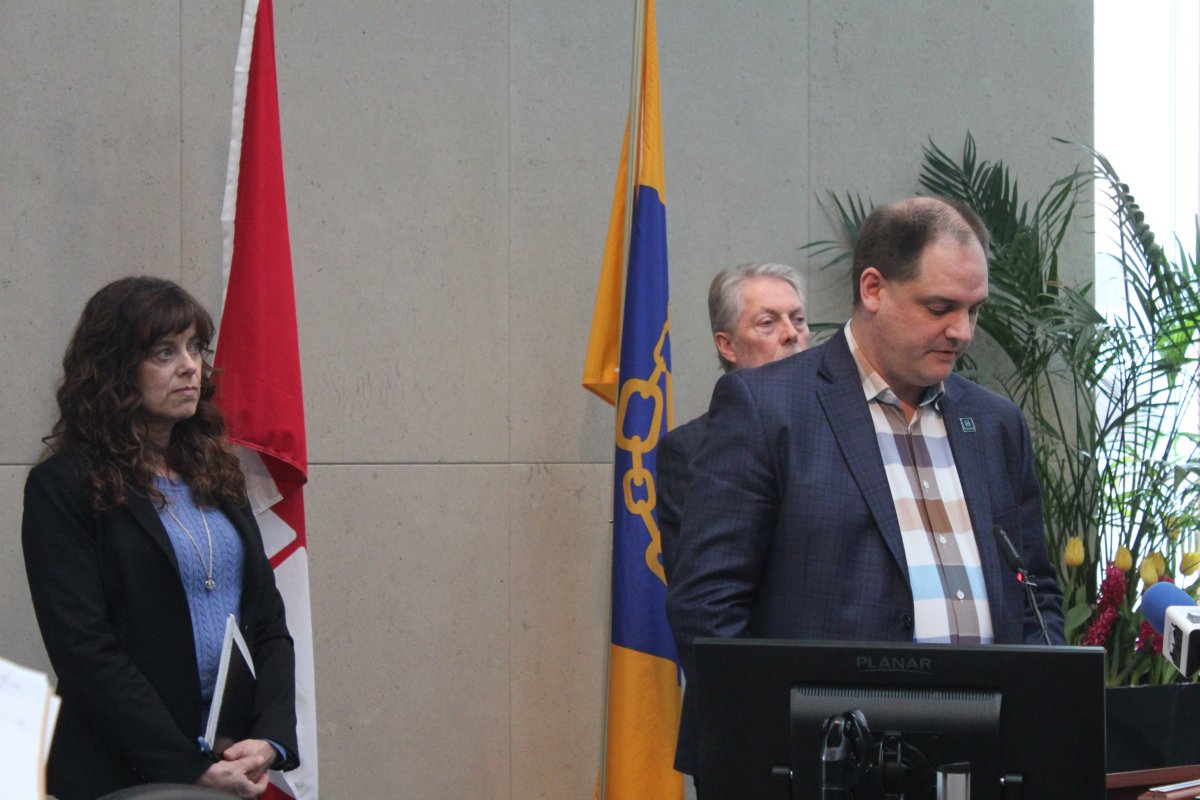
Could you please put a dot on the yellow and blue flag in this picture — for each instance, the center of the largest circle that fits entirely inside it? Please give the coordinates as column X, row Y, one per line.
column 643, row 679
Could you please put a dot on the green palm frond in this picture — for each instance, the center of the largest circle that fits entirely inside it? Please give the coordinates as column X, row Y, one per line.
column 848, row 216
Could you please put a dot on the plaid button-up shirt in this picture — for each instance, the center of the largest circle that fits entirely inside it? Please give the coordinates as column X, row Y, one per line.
column 950, row 602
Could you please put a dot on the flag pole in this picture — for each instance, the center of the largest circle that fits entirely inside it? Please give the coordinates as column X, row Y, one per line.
column 634, row 134
column 632, row 153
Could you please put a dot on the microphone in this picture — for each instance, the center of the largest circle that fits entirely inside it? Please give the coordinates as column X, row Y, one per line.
column 1011, row 557
column 1174, row 615
column 1009, row 553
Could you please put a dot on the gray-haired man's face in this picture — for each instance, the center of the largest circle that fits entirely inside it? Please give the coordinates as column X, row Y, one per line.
column 772, row 324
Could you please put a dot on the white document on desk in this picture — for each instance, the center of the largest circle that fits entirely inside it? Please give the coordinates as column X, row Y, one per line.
column 28, row 711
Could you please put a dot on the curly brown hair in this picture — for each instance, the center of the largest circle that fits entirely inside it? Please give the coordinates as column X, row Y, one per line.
column 100, row 405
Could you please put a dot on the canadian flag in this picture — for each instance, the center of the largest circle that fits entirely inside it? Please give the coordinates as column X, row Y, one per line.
column 258, row 355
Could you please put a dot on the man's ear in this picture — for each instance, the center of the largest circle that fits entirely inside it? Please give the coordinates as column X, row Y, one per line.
column 724, row 343
column 870, row 283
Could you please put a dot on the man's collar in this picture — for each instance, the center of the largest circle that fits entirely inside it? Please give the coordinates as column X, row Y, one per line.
column 876, row 388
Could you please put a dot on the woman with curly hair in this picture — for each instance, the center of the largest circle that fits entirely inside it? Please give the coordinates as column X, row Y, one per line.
column 138, row 545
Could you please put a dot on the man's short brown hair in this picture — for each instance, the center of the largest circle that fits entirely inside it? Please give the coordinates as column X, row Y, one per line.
column 893, row 237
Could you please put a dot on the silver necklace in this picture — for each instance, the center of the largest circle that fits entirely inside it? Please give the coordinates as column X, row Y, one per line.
column 210, row 582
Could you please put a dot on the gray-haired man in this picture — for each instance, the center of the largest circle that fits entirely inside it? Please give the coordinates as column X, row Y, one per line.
column 757, row 316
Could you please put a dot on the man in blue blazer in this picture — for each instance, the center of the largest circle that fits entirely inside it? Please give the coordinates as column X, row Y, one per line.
column 850, row 491
column 756, row 312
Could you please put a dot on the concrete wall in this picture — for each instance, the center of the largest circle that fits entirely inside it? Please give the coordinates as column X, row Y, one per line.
column 449, row 173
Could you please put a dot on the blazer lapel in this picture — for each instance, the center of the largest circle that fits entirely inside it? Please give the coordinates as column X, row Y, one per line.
column 143, row 511
column 850, row 420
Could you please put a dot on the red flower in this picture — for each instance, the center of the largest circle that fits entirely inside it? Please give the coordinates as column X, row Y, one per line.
column 1148, row 638
column 1113, row 589
column 1097, row 634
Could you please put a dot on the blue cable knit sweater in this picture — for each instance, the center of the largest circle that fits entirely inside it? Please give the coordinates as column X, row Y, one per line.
column 209, row 609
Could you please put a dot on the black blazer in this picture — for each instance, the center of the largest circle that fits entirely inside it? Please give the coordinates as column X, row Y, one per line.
column 115, row 621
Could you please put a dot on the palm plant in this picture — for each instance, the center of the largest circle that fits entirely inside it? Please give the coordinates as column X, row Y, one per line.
column 1103, row 393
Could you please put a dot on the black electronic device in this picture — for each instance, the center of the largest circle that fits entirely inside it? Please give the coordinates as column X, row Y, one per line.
column 1010, row 721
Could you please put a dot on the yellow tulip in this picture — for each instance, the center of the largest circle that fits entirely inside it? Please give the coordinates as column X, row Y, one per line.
column 1160, row 563
column 1149, row 571
column 1124, row 559
column 1171, row 526
column 1189, row 563
column 1073, row 552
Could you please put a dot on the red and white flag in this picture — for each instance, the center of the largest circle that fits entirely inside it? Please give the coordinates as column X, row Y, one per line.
column 258, row 354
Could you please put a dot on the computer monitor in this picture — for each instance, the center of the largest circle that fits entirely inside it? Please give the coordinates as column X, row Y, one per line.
column 1028, row 720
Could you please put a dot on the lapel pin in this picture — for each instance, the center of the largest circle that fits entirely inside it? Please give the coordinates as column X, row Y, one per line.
column 968, row 424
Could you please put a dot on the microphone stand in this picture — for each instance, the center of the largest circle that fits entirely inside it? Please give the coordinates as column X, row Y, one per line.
column 1031, row 598
column 1013, row 559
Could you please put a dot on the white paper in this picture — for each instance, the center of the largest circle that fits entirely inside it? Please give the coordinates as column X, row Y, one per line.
column 28, row 710
column 233, row 637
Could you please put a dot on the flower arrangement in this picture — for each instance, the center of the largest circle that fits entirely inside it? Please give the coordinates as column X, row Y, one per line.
column 1105, row 393
column 1131, row 462
column 1114, row 621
